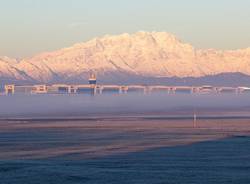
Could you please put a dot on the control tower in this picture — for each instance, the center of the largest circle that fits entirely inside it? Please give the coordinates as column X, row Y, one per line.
column 92, row 79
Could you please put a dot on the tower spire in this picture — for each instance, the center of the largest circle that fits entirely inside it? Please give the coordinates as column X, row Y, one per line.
column 92, row 78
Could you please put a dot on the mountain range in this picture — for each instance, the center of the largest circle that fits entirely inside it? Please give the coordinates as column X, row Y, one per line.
column 144, row 57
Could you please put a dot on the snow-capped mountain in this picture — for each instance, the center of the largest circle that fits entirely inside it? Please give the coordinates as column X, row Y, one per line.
column 9, row 70
column 143, row 54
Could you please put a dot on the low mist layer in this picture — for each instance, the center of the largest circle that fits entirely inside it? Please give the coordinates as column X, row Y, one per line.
column 81, row 106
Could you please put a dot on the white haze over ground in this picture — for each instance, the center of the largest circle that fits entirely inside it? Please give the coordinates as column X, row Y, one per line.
column 86, row 106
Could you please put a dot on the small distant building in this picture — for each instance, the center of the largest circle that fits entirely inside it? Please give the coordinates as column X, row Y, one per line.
column 39, row 89
column 9, row 89
column 227, row 90
column 86, row 89
column 111, row 89
column 92, row 79
column 60, row 89
column 243, row 90
column 207, row 89
column 23, row 89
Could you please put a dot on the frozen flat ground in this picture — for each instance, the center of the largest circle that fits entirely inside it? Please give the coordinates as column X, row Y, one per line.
column 125, row 151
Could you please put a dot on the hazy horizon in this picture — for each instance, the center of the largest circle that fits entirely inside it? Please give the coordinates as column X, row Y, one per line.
column 30, row 27
column 170, row 104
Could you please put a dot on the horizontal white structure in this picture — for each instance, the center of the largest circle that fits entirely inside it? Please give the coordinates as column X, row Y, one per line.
column 119, row 89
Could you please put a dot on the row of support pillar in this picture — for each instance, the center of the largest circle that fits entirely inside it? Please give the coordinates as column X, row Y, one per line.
column 96, row 89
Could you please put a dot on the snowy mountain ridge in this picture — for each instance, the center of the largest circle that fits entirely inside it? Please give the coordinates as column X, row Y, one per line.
column 145, row 54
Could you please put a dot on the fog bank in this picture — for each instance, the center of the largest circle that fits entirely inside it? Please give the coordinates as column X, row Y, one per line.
column 42, row 106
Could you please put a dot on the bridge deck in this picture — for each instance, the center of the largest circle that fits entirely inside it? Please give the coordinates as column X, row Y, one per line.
column 11, row 89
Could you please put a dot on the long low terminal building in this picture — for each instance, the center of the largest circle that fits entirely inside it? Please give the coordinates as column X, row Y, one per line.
column 119, row 89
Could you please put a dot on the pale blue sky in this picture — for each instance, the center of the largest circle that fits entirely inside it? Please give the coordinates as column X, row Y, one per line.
column 32, row 26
